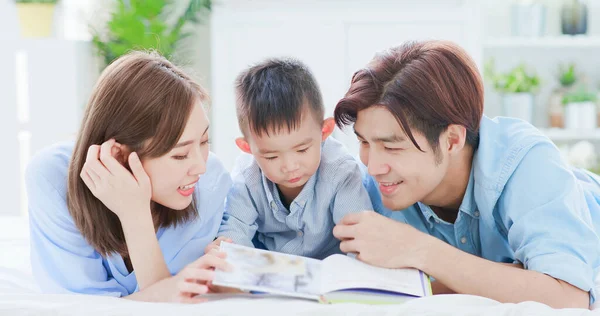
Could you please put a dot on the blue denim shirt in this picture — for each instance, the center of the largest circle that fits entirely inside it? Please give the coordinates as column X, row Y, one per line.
column 523, row 203
column 64, row 262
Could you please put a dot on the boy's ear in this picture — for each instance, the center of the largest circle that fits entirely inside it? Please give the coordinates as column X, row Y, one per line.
column 243, row 145
column 328, row 127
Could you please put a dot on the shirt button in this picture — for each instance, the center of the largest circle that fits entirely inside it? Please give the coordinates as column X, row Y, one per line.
column 300, row 234
column 476, row 213
column 273, row 205
column 463, row 240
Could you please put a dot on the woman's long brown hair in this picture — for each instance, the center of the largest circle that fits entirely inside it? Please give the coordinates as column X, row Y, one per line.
column 143, row 102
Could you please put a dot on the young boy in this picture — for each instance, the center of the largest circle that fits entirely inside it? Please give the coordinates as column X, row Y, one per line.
column 296, row 183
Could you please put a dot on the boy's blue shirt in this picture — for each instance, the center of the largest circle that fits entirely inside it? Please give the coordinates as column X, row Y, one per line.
column 523, row 203
column 254, row 210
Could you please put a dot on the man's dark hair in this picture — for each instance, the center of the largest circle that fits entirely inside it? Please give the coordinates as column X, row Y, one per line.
column 425, row 85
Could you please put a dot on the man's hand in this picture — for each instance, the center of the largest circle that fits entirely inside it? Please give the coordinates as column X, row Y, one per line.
column 381, row 241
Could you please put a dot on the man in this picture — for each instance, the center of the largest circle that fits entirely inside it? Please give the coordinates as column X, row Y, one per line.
column 486, row 207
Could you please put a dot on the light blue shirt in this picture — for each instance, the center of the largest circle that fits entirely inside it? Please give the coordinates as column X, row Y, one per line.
column 523, row 203
column 62, row 260
column 254, row 207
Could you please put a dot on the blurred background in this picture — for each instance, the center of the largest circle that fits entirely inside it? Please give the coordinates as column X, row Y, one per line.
column 540, row 59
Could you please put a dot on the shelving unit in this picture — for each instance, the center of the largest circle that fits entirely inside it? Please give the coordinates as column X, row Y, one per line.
column 553, row 42
column 570, row 135
column 544, row 55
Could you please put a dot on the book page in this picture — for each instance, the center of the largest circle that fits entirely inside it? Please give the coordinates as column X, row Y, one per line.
column 270, row 272
column 342, row 272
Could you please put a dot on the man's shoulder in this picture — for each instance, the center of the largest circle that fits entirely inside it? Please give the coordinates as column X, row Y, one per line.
column 503, row 144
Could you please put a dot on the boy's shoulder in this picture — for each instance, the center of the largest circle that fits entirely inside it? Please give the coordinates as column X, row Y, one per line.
column 336, row 159
column 246, row 171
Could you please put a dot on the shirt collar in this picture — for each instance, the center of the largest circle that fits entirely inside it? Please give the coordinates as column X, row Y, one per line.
column 468, row 205
column 273, row 193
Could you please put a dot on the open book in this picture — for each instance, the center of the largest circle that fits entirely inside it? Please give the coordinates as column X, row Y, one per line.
column 335, row 279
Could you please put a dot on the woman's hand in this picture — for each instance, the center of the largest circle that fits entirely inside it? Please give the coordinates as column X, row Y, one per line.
column 124, row 193
column 216, row 244
column 189, row 284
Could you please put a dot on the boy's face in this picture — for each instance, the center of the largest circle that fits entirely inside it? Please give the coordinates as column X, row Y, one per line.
column 289, row 158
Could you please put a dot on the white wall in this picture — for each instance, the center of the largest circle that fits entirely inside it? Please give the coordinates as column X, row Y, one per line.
column 9, row 126
column 45, row 84
column 334, row 38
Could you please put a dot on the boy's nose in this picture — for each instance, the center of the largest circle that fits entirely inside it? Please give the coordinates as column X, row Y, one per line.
column 290, row 165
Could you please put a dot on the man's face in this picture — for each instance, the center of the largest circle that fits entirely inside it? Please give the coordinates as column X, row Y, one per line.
column 405, row 174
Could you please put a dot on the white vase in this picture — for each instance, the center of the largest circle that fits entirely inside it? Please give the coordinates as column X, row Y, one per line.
column 528, row 19
column 518, row 105
column 580, row 115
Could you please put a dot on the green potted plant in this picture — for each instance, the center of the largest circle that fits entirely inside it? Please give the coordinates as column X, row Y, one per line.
column 146, row 25
column 567, row 76
column 580, row 108
column 36, row 17
column 517, row 87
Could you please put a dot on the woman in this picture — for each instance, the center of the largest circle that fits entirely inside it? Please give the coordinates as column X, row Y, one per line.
column 127, row 210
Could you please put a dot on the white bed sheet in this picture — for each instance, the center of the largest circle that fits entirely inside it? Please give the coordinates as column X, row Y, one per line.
column 20, row 296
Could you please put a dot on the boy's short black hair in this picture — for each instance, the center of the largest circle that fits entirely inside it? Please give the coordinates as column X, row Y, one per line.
column 272, row 95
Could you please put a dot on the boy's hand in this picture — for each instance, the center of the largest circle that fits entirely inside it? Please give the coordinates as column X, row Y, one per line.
column 216, row 244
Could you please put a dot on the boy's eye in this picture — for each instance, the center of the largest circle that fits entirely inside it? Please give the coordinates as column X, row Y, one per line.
column 392, row 149
column 180, row 157
column 363, row 143
column 205, row 142
column 303, row 150
column 271, row 158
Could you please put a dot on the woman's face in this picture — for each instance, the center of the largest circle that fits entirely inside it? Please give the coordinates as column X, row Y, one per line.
column 174, row 175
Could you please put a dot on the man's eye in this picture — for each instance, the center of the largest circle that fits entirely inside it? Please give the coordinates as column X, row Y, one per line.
column 392, row 149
